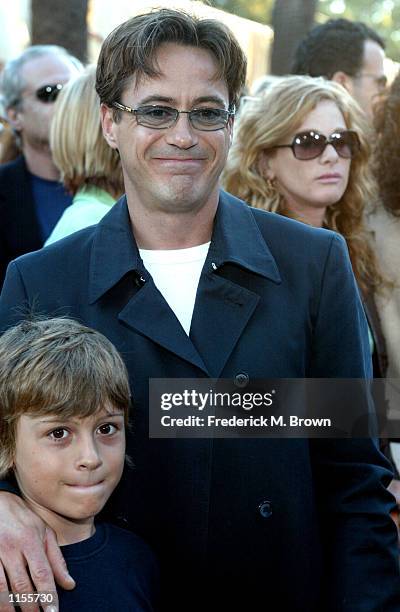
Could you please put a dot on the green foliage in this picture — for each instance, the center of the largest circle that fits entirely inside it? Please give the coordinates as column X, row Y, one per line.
column 382, row 15
column 257, row 10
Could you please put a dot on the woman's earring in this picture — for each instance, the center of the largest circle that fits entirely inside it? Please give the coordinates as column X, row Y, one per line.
column 271, row 186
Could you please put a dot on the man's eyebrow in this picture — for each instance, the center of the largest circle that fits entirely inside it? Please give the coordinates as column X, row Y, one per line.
column 155, row 99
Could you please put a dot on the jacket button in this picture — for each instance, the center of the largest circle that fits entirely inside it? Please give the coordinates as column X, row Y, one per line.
column 241, row 379
column 265, row 509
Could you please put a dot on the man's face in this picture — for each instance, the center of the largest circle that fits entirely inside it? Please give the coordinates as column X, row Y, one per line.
column 33, row 116
column 371, row 80
column 174, row 170
column 69, row 468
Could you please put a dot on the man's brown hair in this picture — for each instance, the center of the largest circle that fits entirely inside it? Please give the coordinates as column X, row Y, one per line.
column 130, row 51
column 56, row 366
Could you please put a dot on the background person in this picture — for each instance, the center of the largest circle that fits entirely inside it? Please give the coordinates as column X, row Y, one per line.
column 31, row 197
column 189, row 282
column 384, row 220
column 88, row 167
column 281, row 161
column 347, row 52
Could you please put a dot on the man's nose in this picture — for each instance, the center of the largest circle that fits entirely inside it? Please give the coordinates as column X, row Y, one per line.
column 182, row 134
column 88, row 455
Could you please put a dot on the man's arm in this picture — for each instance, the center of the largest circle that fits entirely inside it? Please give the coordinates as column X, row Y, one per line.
column 351, row 475
column 26, row 543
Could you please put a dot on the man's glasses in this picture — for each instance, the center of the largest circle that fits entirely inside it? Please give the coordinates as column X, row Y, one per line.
column 48, row 93
column 164, row 117
column 310, row 145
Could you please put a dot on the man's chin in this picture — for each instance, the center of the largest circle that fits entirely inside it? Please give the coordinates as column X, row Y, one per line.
column 41, row 145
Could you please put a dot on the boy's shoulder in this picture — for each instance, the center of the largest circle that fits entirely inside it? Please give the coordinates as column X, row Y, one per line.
column 126, row 542
column 114, row 569
column 114, row 542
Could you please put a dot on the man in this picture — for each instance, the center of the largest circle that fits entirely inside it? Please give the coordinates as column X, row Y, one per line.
column 348, row 52
column 31, row 197
column 189, row 282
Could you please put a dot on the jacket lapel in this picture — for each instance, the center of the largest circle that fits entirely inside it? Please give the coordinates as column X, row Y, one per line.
column 225, row 303
column 144, row 308
column 149, row 314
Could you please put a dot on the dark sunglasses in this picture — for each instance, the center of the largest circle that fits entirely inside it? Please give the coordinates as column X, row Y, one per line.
column 310, row 145
column 48, row 93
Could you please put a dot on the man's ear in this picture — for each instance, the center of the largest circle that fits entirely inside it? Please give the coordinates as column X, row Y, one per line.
column 344, row 80
column 108, row 124
column 265, row 165
column 15, row 119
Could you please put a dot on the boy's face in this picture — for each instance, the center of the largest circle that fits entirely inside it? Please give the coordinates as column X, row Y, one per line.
column 69, row 467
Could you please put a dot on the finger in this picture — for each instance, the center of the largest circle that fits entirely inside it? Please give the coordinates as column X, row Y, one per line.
column 20, row 584
column 57, row 561
column 42, row 578
column 5, row 605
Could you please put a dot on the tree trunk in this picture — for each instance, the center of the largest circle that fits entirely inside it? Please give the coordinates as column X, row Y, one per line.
column 291, row 20
column 61, row 22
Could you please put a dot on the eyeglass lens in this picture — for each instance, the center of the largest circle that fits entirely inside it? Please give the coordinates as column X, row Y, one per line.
column 309, row 145
column 164, row 117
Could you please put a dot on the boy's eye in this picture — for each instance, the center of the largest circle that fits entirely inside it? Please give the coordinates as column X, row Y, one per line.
column 58, row 434
column 107, row 429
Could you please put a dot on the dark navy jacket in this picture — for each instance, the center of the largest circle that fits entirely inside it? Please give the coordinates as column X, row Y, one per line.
column 19, row 227
column 299, row 525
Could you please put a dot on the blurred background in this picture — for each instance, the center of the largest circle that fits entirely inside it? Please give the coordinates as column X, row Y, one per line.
column 268, row 30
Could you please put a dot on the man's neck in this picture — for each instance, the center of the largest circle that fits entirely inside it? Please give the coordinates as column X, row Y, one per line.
column 165, row 231
column 39, row 162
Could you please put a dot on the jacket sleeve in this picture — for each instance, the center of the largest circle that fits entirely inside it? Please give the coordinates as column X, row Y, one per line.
column 14, row 302
column 351, row 475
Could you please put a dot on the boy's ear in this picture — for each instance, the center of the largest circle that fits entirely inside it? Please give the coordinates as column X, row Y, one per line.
column 265, row 166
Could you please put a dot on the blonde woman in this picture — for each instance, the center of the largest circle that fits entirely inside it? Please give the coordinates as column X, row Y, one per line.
column 302, row 150
column 89, row 168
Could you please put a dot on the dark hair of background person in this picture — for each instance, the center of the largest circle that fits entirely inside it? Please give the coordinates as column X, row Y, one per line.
column 387, row 148
column 335, row 45
column 130, row 50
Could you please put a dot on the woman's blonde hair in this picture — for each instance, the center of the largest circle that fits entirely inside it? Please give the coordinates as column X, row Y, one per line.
column 272, row 119
column 79, row 150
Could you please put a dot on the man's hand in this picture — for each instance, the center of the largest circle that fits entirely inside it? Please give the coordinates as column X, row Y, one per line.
column 27, row 543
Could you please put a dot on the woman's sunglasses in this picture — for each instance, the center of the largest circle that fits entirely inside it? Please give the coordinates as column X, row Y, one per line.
column 310, row 145
column 48, row 93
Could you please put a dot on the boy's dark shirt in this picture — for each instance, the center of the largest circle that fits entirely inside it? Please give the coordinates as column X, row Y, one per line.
column 113, row 570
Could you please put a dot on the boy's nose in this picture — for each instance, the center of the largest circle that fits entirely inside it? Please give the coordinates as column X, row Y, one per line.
column 89, row 457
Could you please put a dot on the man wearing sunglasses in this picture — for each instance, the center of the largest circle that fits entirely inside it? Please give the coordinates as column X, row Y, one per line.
column 348, row 52
column 31, row 197
column 189, row 282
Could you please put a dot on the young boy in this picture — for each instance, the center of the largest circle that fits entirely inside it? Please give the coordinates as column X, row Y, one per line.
column 64, row 399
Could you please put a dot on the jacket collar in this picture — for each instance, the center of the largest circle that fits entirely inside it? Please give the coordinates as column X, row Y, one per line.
column 236, row 239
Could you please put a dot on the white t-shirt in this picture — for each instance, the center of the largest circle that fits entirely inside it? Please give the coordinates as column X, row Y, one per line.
column 176, row 274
